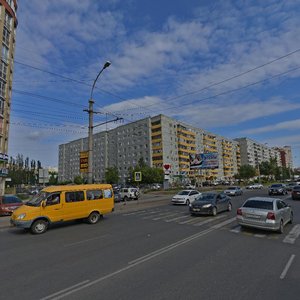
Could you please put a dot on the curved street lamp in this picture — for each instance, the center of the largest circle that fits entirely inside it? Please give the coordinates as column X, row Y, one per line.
column 90, row 134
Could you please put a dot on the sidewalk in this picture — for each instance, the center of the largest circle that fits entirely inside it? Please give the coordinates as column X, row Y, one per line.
column 146, row 201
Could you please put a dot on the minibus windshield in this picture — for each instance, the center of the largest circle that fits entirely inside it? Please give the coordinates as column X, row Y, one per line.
column 37, row 199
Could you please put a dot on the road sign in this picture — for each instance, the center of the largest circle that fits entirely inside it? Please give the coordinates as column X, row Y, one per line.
column 137, row 176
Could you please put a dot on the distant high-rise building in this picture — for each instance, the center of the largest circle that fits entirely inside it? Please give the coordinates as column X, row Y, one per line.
column 160, row 141
column 8, row 25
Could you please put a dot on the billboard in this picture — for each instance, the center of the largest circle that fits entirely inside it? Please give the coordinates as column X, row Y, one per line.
column 204, row 161
column 84, row 162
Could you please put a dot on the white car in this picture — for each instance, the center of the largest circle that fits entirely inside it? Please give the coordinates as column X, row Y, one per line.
column 254, row 186
column 129, row 194
column 185, row 197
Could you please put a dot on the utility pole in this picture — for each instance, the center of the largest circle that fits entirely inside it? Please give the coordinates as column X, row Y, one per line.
column 91, row 126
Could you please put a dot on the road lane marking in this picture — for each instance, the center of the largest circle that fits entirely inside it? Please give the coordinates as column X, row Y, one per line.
column 65, row 290
column 237, row 229
column 134, row 213
column 287, row 266
column 217, row 226
column 293, row 235
column 209, row 220
column 160, row 214
column 178, row 218
column 165, row 216
column 132, row 264
column 84, row 241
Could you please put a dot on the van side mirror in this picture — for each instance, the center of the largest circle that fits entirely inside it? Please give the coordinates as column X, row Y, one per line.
column 44, row 203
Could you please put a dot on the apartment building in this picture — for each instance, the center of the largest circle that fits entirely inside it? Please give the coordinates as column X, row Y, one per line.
column 121, row 147
column 158, row 140
column 8, row 25
column 254, row 153
column 286, row 156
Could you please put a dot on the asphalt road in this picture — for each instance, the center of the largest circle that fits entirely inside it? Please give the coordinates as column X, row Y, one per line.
column 153, row 252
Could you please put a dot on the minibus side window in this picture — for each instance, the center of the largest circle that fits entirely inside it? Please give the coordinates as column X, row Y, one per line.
column 107, row 193
column 74, row 196
column 53, row 199
column 94, row 194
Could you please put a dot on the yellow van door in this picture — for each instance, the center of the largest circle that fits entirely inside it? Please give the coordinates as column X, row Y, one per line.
column 53, row 209
column 75, row 206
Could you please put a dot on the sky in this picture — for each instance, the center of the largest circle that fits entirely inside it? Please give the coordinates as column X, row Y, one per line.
column 230, row 67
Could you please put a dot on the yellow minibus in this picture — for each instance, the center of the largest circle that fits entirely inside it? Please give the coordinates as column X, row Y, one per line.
column 64, row 203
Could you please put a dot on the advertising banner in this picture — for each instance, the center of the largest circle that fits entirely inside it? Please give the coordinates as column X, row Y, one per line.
column 84, row 161
column 204, row 161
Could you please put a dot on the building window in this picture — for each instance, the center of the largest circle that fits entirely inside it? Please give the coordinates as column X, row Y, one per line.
column 2, row 88
column 6, row 36
column 3, row 70
column 5, row 52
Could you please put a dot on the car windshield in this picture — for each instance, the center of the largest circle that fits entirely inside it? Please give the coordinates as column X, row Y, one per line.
column 37, row 199
column 276, row 185
column 297, row 188
column 206, row 197
column 259, row 204
column 11, row 199
column 184, row 193
column 232, row 188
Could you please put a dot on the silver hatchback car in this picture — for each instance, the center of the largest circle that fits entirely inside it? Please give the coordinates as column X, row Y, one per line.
column 265, row 213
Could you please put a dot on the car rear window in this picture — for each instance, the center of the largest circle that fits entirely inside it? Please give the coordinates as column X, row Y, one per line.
column 10, row 199
column 276, row 185
column 259, row 204
column 297, row 188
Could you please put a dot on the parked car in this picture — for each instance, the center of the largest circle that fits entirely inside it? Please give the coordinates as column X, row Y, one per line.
column 155, row 186
column 210, row 203
column 129, row 194
column 289, row 187
column 296, row 192
column 117, row 196
column 254, row 186
column 277, row 189
column 185, row 197
column 265, row 213
column 233, row 191
column 190, row 187
column 8, row 203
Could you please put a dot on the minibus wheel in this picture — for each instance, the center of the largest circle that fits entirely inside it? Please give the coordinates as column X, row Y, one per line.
column 93, row 218
column 39, row 226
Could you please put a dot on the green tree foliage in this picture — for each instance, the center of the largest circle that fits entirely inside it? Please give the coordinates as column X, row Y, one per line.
column 246, row 172
column 112, row 175
column 149, row 175
column 78, row 180
column 23, row 171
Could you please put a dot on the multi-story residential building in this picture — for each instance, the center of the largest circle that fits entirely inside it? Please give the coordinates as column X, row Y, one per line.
column 159, row 140
column 286, row 156
column 8, row 25
column 254, row 153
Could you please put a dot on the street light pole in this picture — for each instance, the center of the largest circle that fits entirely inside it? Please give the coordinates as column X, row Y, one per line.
column 91, row 126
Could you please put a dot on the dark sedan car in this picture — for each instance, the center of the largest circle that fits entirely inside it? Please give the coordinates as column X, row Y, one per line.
column 296, row 192
column 277, row 189
column 8, row 203
column 210, row 203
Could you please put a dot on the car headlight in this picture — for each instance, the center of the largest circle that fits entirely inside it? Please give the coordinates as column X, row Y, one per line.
column 206, row 205
column 21, row 216
column 190, row 205
column 280, row 190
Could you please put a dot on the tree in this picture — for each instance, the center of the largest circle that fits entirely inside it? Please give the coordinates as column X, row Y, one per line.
column 112, row 175
column 78, row 180
column 246, row 172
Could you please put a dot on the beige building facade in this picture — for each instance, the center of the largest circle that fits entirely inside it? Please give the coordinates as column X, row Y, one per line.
column 8, row 25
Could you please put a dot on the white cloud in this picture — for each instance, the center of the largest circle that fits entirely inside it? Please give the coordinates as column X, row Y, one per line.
column 288, row 125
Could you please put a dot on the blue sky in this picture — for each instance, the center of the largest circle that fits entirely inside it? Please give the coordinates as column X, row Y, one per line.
column 231, row 67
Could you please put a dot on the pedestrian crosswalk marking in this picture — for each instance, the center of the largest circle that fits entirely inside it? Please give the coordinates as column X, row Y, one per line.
column 165, row 216
column 292, row 235
column 178, row 218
